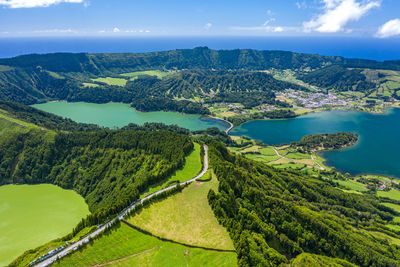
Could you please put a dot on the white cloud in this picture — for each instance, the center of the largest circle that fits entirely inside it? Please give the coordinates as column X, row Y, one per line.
column 208, row 26
column 265, row 27
column 301, row 5
column 116, row 30
column 390, row 28
column 35, row 3
column 56, row 31
column 338, row 13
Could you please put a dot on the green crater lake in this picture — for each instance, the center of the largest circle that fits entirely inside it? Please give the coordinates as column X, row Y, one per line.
column 377, row 151
column 32, row 215
column 119, row 115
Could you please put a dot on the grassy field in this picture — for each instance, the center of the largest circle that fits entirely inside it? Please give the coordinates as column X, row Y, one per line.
column 313, row 260
column 353, row 185
column 262, row 158
column 388, row 238
column 297, row 155
column 90, row 85
column 186, row 217
column 396, row 208
column 393, row 194
column 125, row 246
column 111, row 81
column 35, row 214
column 289, row 157
column 290, row 165
column 159, row 73
column 191, row 169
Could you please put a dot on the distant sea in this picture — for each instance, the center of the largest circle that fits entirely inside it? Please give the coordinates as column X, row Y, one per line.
column 350, row 47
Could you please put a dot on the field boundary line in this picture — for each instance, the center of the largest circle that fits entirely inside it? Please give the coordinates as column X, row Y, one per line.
column 125, row 258
column 143, row 231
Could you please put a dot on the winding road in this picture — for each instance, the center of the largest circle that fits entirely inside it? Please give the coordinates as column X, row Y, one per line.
column 228, row 122
column 101, row 229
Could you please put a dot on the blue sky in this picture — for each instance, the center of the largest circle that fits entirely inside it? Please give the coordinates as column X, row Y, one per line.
column 377, row 18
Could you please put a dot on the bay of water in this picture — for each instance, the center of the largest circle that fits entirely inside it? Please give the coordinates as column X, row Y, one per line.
column 377, row 151
column 119, row 115
column 350, row 47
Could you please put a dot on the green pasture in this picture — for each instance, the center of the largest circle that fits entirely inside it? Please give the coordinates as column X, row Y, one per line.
column 111, row 81
column 125, row 246
column 158, row 73
column 186, row 217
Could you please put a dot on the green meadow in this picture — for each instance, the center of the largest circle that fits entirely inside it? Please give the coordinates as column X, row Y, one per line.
column 158, row 73
column 393, row 194
column 186, row 217
column 125, row 246
column 352, row 185
column 111, row 81
column 36, row 214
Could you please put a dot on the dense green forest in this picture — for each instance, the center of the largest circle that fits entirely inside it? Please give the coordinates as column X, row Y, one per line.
column 200, row 57
column 339, row 78
column 274, row 215
column 330, row 141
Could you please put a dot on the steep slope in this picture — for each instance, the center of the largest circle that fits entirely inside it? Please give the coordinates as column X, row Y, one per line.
column 273, row 216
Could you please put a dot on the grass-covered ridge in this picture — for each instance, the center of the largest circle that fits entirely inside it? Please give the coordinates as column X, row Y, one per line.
column 186, row 217
column 125, row 246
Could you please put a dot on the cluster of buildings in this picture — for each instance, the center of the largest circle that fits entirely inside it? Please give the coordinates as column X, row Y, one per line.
column 313, row 100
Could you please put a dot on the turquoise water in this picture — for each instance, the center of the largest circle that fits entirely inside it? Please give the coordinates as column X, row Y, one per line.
column 119, row 115
column 377, row 152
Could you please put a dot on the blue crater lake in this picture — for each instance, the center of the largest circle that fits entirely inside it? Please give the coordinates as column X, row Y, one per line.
column 113, row 115
column 377, row 151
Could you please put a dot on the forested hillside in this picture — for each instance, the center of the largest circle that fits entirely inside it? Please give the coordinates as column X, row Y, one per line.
column 109, row 168
column 274, row 215
column 339, row 78
column 193, row 74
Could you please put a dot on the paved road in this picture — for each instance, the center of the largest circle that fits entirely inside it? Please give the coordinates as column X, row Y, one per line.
column 319, row 166
column 277, row 153
column 122, row 215
column 230, row 123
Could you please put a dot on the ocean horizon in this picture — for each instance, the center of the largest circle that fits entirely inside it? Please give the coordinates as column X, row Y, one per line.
column 348, row 47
